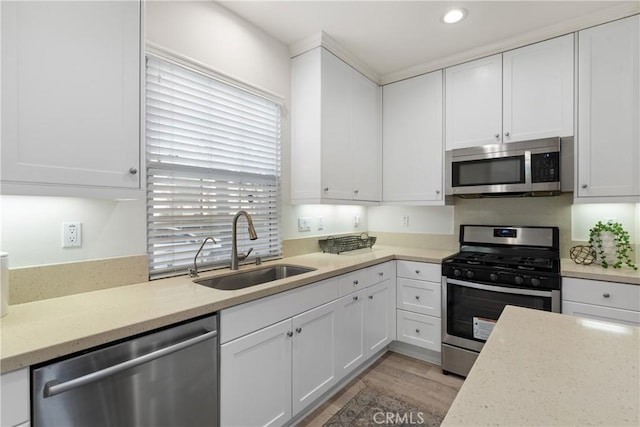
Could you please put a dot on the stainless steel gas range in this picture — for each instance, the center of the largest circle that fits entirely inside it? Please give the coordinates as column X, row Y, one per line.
column 496, row 266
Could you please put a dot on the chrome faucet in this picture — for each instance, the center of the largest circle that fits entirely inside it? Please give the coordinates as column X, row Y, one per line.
column 235, row 257
column 193, row 272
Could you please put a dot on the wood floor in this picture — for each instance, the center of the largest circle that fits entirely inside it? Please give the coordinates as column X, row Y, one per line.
column 398, row 375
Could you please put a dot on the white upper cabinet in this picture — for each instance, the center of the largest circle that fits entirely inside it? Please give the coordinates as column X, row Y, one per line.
column 608, row 140
column 522, row 94
column 537, row 83
column 474, row 103
column 71, row 98
column 413, row 140
column 336, row 148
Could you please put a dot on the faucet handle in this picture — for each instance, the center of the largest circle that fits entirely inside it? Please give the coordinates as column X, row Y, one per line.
column 242, row 257
column 193, row 273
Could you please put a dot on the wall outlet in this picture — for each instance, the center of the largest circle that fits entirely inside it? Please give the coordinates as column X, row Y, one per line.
column 356, row 221
column 405, row 221
column 71, row 234
column 304, row 224
column 320, row 223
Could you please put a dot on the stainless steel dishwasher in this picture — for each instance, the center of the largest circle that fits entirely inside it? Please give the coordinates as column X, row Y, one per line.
column 165, row 378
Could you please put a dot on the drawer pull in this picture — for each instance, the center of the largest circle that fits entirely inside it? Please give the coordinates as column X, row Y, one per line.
column 606, row 295
column 417, row 297
column 298, row 330
column 381, row 274
column 355, row 282
column 417, row 331
column 370, row 296
column 289, row 334
column 355, row 298
column 417, row 271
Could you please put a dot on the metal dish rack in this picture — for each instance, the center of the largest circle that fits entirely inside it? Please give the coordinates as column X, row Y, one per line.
column 335, row 245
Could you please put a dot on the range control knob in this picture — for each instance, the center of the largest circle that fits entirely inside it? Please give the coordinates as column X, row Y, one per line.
column 457, row 272
column 470, row 274
column 535, row 281
column 519, row 280
column 493, row 277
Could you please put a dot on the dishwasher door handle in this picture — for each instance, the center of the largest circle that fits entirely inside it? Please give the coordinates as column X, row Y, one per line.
column 53, row 387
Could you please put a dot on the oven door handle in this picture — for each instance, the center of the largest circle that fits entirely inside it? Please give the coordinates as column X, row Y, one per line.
column 504, row 290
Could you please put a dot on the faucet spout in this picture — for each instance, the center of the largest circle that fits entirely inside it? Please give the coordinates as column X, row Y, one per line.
column 235, row 257
column 193, row 272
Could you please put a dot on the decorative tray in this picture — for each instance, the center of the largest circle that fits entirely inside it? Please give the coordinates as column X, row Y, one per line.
column 335, row 245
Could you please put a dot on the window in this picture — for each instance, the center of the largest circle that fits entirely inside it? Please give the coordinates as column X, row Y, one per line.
column 212, row 149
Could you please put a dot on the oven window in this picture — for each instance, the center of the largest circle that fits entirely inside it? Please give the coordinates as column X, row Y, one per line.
column 466, row 305
column 507, row 170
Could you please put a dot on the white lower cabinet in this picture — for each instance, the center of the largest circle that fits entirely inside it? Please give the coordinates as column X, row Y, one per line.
column 600, row 300
column 15, row 398
column 278, row 369
column 419, row 304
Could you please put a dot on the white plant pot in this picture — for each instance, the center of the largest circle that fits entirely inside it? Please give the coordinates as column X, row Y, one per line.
column 608, row 247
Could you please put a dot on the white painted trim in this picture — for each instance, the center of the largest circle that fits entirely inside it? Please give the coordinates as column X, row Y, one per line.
column 201, row 67
column 560, row 29
column 325, row 40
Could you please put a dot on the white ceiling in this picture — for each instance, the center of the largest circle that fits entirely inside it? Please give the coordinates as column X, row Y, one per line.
column 392, row 37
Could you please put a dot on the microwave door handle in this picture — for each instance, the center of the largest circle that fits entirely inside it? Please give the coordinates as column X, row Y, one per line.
column 527, row 169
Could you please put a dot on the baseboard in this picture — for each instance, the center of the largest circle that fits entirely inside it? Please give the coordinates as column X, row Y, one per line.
column 419, row 353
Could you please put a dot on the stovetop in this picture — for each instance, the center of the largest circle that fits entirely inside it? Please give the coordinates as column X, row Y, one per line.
column 504, row 260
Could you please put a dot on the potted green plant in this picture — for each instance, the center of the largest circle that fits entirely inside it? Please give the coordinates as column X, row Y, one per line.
column 612, row 244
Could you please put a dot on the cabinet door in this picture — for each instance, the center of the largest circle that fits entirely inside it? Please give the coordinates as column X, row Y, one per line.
column 474, row 103
column 538, row 90
column 314, row 354
column 351, row 340
column 337, row 163
column 609, row 110
column 256, row 369
column 366, row 138
column 15, row 394
column 70, row 93
column 380, row 317
column 412, row 139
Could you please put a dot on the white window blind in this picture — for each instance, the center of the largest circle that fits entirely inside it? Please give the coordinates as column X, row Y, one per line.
column 212, row 149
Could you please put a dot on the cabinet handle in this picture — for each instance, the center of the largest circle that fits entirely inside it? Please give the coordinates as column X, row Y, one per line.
column 417, row 297
column 606, row 295
column 506, row 134
column 355, row 282
column 497, row 135
column 417, row 271
column 355, row 191
column 355, row 298
column 437, row 191
column 370, row 296
column 417, row 331
column 584, row 185
column 289, row 334
column 326, row 189
column 381, row 274
column 133, row 171
column 298, row 330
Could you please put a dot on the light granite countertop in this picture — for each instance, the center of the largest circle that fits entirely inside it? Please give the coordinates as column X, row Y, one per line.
column 39, row 331
column 542, row 369
column 596, row 272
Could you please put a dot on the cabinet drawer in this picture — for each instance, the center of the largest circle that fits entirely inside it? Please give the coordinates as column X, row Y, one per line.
column 251, row 316
column 419, row 296
column 354, row 281
column 419, row 330
column 608, row 294
column 607, row 314
column 381, row 272
column 419, row 271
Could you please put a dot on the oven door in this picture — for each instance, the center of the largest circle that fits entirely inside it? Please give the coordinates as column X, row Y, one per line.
column 470, row 310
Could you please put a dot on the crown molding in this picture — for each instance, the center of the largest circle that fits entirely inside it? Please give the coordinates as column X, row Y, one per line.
column 560, row 29
column 326, row 41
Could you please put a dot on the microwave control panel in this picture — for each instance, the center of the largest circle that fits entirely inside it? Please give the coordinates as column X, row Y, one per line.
column 545, row 167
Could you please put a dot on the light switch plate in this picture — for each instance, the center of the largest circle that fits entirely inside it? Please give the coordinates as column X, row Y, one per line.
column 304, row 224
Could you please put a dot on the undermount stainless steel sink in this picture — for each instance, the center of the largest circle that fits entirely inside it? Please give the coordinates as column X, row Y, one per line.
column 245, row 279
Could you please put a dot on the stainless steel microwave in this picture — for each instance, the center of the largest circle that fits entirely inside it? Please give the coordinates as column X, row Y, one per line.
column 540, row 167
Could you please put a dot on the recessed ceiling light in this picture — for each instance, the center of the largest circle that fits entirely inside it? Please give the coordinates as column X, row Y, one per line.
column 454, row 15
